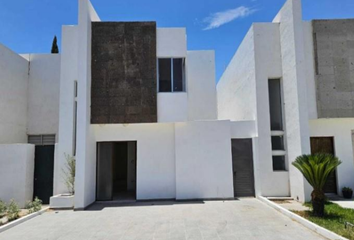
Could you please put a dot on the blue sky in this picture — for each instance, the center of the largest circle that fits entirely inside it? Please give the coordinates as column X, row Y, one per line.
column 29, row 25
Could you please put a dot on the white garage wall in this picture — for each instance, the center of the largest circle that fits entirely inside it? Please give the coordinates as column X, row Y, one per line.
column 43, row 94
column 341, row 130
column 203, row 160
column 16, row 172
column 13, row 97
column 155, row 155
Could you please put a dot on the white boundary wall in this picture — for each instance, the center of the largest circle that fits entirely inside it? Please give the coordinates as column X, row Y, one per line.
column 16, row 172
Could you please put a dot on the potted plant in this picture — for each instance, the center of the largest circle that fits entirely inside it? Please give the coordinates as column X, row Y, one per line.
column 347, row 192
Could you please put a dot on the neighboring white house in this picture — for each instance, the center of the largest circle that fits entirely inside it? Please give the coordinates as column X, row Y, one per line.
column 295, row 80
column 144, row 119
column 29, row 105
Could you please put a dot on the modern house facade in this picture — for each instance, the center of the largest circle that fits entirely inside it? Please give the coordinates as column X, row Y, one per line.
column 145, row 120
column 136, row 109
column 294, row 79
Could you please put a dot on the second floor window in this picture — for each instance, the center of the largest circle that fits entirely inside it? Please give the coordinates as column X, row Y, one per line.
column 171, row 74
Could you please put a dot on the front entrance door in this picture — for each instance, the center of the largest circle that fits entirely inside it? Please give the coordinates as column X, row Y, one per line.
column 43, row 172
column 325, row 145
column 242, row 162
column 116, row 171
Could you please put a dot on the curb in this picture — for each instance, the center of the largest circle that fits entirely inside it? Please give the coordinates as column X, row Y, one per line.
column 306, row 223
column 21, row 220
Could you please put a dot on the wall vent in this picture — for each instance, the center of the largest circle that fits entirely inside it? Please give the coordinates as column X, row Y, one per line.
column 41, row 140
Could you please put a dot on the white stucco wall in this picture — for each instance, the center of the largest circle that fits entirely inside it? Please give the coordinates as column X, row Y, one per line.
column 43, row 94
column 236, row 90
column 201, row 85
column 68, row 74
column 203, row 160
column 243, row 129
column 156, row 177
column 341, row 130
column 85, row 183
column 268, row 65
column 13, row 97
column 171, row 42
column 172, row 107
column 310, row 70
column 199, row 100
column 295, row 92
column 16, row 172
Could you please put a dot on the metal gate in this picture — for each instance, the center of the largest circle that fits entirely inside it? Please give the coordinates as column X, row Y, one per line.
column 242, row 162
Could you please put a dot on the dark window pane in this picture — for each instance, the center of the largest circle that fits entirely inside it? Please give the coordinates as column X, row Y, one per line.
column 178, row 75
column 276, row 116
column 279, row 163
column 165, row 75
column 277, row 143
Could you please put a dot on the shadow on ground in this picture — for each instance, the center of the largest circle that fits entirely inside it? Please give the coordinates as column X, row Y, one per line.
column 98, row 206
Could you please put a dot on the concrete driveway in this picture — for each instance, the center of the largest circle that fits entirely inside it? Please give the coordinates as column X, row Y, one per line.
column 239, row 219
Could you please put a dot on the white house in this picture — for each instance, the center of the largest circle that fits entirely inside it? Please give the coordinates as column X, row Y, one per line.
column 294, row 79
column 132, row 104
column 144, row 119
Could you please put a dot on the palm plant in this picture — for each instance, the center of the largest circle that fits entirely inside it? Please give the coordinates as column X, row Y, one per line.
column 316, row 169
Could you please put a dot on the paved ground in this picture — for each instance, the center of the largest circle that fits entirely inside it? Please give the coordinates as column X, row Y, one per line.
column 216, row 220
column 292, row 205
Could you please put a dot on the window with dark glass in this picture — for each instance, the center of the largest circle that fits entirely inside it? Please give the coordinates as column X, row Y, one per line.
column 171, row 74
column 165, row 77
column 276, row 125
column 279, row 163
column 277, row 143
column 275, row 106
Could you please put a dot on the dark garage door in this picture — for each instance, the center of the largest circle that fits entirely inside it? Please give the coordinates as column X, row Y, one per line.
column 242, row 162
column 325, row 145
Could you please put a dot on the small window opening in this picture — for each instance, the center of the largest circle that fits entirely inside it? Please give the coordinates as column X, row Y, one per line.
column 171, row 74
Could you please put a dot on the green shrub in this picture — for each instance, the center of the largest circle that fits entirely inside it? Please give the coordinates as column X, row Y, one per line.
column 13, row 211
column 3, row 208
column 347, row 189
column 34, row 206
column 69, row 173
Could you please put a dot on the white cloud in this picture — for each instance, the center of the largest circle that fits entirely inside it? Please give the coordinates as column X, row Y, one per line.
column 217, row 19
